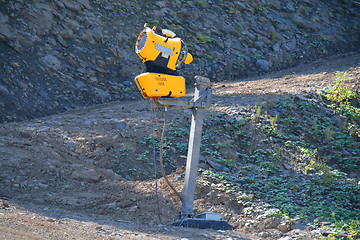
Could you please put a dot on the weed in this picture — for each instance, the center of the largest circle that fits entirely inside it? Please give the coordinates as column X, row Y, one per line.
column 350, row 229
column 230, row 163
column 203, row 39
column 269, row 167
column 201, row 4
column 257, row 55
column 143, row 156
column 124, row 152
column 240, row 60
column 258, row 112
column 298, row 137
column 328, row 132
column 338, row 93
column 270, row 104
column 181, row 147
column 177, row 28
column 244, row 198
column 125, row 90
column 273, row 212
column 132, row 171
column 273, row 121
column 231, row 10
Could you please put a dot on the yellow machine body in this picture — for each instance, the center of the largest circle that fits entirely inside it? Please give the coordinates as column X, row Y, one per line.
column 162, row 56
column 155, row 85
column 155, row 44
column 149, row 46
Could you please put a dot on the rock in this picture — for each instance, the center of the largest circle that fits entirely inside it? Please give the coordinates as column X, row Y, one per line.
column 61, row 41
column 299, row 225
column 101, row 63
column 102, row 94
column 42, row 185
column 214, row 165
column 80, row 85
column 71, row 5
column 15, row 65
column 42, row 19
column 73, row 24
column 346, row 153
column 52, row 62
column 44, row 95
column 59, row 4
column 67, row 33
column 285, row 238
column 4, row 18
column 288, row 6
column 240, row 5
column 6, row 32
column 88, row 175
column 4, row 204
column 84, row 3
column 283, row 227
column 43, row 6
column 259, row 44
column 120, row 126
column 290, row 46
column 109, row 7
column 229, row 154
column 87, row 122
column 111, row 175
column 86, row 35
column 276, row 47
column 264, row 234
column 264, row 65
column 271, row 222
column 4, row 90
column 127, row 83
column 22, row 85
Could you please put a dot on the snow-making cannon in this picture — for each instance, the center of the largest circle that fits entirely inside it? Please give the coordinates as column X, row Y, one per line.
column 162, row 56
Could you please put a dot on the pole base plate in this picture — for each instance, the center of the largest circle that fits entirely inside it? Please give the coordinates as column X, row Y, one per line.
column 203, row 224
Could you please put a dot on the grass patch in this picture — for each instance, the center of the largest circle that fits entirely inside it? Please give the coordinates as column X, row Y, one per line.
column 297, row 155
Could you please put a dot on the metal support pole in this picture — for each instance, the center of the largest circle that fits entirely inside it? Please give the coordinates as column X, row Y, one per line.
column 198, row 115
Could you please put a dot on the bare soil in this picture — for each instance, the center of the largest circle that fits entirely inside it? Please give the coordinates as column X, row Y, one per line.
column 57, row 179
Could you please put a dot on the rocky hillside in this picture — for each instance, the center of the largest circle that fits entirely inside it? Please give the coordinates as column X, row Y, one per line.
column 63, row 54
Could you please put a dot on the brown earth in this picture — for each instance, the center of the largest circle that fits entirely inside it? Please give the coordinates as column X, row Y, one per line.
column 57, row 182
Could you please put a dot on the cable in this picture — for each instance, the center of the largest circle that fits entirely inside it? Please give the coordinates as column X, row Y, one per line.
column 161, row 158
column 154, row 151
column 154, row 109
column 169, row 185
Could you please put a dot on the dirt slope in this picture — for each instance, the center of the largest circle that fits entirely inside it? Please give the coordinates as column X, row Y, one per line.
column 57, row 177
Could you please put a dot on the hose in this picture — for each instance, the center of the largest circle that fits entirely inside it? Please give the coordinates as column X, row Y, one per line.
column 161, row 159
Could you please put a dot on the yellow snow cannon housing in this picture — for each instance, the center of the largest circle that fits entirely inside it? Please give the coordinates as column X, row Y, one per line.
column 155, row 85
column 162, row 56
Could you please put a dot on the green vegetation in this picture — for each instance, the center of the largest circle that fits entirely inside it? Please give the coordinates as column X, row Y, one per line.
column 201, row 3
column 240, row 60
column 257, row 55
column 203, row 39
column 294, row 156
column 175, row 143
column 338, row 93
column 301, row 162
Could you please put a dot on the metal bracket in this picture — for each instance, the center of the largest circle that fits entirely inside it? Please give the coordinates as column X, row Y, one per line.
column 202, row 98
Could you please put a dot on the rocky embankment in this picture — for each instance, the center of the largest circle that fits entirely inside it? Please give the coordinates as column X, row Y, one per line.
column 63, row 54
